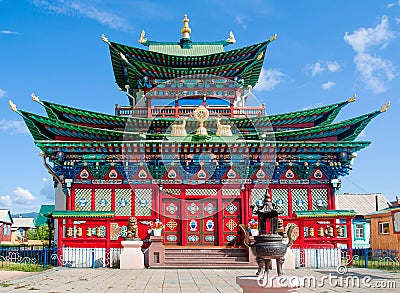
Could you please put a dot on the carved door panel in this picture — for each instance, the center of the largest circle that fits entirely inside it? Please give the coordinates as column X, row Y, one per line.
column 231, row 218
column 172, row 221
column 200, row 221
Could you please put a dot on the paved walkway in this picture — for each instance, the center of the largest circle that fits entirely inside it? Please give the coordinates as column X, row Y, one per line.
column 186, row 280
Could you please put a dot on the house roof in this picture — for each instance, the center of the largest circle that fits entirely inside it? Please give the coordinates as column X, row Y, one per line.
column 44, row 210
column 23, row 223
column 362, row 204
column 325, row 214
column 385, row 211
column 5, row 216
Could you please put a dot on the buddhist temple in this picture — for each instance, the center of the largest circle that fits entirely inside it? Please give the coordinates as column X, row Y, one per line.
column 194, row 149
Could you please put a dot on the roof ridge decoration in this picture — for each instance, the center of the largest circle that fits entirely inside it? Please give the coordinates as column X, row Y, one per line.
column 231, row 38
column 142, row 39
column 13, row 106
column 352, row 99
column 385, row 107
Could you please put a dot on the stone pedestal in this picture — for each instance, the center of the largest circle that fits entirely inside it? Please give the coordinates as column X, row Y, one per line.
column 132, row 257
column 156, row 252
column 275, row 284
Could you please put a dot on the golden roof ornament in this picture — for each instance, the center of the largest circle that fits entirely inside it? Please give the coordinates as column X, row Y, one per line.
column 12, row 106
column 179, row 129
column 231, row 38
column 260, row 56
column 222, row 130
column 142, row 39
column 352, row 99
column 201, row 114
column 104, row 39
column 123, row 57
column 273, row 38
column 35, row 98
column 385, row 107
column 186, row 30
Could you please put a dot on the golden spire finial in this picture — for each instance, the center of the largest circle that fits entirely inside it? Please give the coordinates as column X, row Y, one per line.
column 231, row 38
column 273, row 38
column 186, row 29
column 352, row 99
column 12, row 106
column 385, row 107
column 142, row 39
column 35, row 98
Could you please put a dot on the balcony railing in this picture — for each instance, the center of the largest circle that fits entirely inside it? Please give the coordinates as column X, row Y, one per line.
column 171, row 112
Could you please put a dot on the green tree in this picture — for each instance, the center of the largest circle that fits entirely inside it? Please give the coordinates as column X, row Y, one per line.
column 40, row 233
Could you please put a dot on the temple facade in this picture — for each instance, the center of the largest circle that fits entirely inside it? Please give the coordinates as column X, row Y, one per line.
column 194, row 149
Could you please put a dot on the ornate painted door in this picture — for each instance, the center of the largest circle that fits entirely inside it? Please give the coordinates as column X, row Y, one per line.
column 172, row 221
column 231, row 219
column 200, row 221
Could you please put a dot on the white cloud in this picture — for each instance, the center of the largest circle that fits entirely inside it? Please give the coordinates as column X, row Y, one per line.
column 13, row 126
column 48, row 188
column 333, row 66
column 320, row 66
column 5, row 201
column 79, row 7
column 328, row 85
column 374, row 71
column 397, row 19
column 269, row 79
column 239, row 20
column 3, row 93
column 316, row 68
column 7, row 32
column 363, row 39
column 390, row 5
column 22, row 196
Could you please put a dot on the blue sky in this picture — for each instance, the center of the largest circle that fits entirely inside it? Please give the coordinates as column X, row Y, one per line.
column 325, row 52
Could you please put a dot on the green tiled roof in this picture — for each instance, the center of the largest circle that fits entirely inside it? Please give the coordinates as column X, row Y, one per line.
column 196, row 50
column 44, row 210
column 45, row 128
column 245, row 63
column 83, row 214
column 325, row 213
column 320, row 115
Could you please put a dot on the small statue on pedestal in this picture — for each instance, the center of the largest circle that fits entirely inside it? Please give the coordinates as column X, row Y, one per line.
column 132, row 229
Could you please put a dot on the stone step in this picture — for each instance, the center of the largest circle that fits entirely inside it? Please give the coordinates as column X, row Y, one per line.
column 206, row 260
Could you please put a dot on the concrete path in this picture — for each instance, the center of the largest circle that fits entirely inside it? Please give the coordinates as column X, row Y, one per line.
column 192, row 280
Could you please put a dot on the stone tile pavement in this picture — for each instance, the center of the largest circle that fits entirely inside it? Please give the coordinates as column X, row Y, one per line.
column 189, row 280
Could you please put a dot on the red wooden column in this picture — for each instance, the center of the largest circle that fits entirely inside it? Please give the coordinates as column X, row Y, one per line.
column 349, row 232
column 176, row 108
column 220, row 220
column 182, row 216
column 245, row 205
column 60, row 239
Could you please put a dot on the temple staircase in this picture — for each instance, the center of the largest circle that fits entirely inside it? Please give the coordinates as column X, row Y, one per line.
column 200, row 257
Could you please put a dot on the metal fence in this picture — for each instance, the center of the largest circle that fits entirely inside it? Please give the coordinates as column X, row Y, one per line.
column 343, row 258
column 42, row 257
